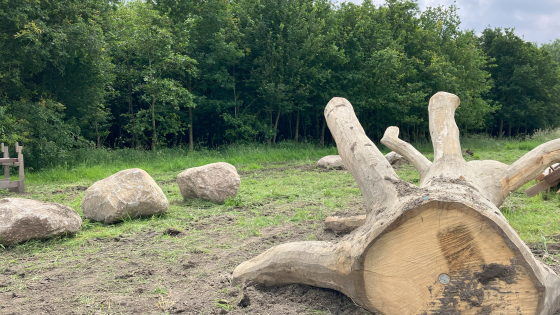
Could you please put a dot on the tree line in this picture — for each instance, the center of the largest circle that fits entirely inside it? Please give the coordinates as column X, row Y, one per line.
column 149, row 74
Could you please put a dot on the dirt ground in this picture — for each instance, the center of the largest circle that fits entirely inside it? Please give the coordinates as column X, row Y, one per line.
column 119, row 276
column 154, row 273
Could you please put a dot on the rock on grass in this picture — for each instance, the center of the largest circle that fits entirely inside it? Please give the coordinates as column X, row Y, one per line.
column 129, row 193
column 215, row 182
column 25, row 219
column 331, row 161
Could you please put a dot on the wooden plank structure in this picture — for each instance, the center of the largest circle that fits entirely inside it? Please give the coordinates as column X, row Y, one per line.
column 546, row 181
column 6, row 161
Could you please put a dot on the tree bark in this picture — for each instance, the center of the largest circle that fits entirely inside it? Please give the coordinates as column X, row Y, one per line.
column 441, row 248
column 154, row 134
column 323, row 134
column 191, row 141
column 346, row 224
column 501, row 132
column 392, row 141
column 276, row 127
column 297, row 127
column 97, row 134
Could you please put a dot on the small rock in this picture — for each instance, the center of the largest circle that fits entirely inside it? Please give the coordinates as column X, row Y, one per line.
column 25, row 219
column 127, row 194
column 215, row 182
column 331, row 161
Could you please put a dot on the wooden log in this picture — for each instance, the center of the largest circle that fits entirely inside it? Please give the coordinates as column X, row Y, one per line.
column 9, row 184
column 441, row 248
column 10, row 161
column 553, row 177
column 360, row 156
column 542, row 186
column 392, row 141
column 344, row 224
column 530, row 166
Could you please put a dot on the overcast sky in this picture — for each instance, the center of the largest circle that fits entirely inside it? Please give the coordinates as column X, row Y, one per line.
column 534, row 20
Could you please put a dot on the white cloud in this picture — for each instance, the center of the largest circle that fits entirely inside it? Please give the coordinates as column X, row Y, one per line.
column 535, row 21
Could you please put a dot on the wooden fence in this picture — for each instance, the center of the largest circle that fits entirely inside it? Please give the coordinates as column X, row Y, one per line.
column 17, row 185
column 547, row 180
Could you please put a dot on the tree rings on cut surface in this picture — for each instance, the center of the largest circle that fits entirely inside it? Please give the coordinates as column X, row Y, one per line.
column 402, row 269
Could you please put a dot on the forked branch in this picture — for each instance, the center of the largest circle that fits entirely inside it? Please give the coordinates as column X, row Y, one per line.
column 360, row 156
column 530, row 166
column 443, row 129
column 392, row 141
column 320, row 264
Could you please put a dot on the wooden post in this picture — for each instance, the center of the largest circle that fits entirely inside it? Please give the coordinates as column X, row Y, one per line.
column 6, row 155
column 21, row 187
column 441, row 248
column 13, row 186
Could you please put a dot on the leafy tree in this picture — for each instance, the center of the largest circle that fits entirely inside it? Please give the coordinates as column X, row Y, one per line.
column 452, row 62
column 287, row 46
column 43, row 55
column 151, row 47
column 214, row 39
column 527, row 82
column 553, row 49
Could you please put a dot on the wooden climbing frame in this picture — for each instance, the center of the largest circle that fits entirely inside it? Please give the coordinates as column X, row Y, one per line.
column 545, row 181
column 6, row 161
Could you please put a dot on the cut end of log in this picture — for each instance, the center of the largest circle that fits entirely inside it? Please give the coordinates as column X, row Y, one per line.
column 442, row 257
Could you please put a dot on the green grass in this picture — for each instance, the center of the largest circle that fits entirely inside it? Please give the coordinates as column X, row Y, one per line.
column 265, row 196
column 282, row 191
column 98, row 164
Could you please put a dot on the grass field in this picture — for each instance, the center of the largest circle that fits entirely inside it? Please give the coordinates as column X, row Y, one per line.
column 154, row 265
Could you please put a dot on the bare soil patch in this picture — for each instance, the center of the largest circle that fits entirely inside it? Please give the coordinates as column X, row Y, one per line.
column 175, row 270
column 138, row 274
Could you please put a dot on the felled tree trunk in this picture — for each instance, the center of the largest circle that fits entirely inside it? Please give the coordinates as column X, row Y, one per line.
column 441, row 248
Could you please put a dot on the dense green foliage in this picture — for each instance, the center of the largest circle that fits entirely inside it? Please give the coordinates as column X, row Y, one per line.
column 78, row 74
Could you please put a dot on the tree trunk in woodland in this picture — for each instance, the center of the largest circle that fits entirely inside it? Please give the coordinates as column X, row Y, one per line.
column 97, row 134
column 440, row 248
column 501, row 132
column 323, row 134
column 191, row 142
column 154, row 134
column 297, row 127
column 276, row 127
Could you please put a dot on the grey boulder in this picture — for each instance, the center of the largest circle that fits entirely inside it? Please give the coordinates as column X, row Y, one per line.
column 396, row 159
column 130, row 193
column 25, row 219
column 215, row 182
column 331, row 161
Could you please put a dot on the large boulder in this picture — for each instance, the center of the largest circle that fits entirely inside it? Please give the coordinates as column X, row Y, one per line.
column 396, row 159
column 215, row 182
column 25, row 219
column 129, row 193
column 331, row 161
